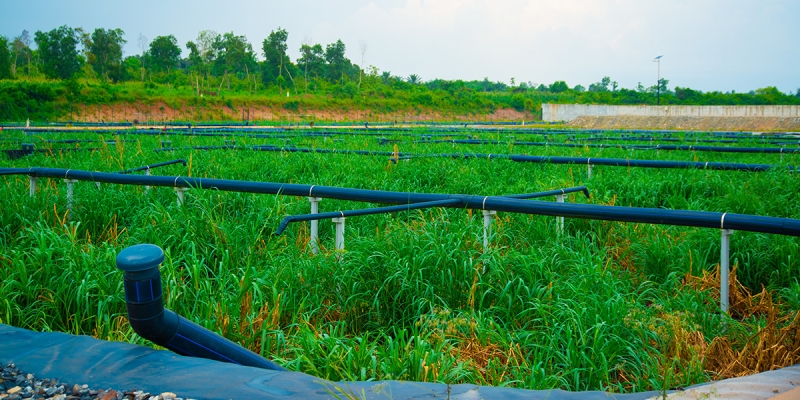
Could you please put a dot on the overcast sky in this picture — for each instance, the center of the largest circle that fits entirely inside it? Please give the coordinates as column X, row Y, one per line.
column 708, row 45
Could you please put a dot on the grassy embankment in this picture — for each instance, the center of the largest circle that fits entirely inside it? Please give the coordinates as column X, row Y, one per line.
column 43, row 100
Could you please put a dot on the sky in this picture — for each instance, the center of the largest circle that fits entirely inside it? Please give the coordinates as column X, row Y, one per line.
column 707, row 45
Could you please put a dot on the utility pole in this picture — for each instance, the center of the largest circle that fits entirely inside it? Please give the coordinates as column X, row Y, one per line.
column 658, row 81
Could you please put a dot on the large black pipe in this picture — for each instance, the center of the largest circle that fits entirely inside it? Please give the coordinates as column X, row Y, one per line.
column 366, row 211
column 616, row 162
column 744, row 222
column 715, row 149
column 414, row 206
column 150, row 320
column 152, row 166
column 549, row 193
column 754, row 140
column 457, row 127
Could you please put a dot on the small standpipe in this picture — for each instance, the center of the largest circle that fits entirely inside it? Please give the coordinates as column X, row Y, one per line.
column 148, row 317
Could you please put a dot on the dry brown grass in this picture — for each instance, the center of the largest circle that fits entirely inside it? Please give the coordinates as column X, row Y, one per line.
column 775, row 345
column 488, row 360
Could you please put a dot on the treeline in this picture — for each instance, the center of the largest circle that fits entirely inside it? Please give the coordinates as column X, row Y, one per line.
column 74, row 65
column 68, row 53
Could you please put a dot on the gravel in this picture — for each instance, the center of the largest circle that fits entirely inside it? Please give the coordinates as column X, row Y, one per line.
column 18, row 385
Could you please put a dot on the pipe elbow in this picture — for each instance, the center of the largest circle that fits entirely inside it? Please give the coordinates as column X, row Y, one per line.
column 150, row 320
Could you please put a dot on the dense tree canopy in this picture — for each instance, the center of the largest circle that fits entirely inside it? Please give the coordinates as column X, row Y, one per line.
column 5, row 59
column 274, row 50
column 106, row 53
column 58, row 51
column 164, row 53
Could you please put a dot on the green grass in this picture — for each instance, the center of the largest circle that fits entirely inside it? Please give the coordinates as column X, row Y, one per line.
column 413, row 297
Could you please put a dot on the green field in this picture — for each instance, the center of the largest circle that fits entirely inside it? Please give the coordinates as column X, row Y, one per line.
column 605, row 306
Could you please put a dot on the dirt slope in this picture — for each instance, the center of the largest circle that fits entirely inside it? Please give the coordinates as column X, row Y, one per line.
column 161, row 111
column 759, row 124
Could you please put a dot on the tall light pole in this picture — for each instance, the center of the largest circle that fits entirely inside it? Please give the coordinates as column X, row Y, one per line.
column 658, row 82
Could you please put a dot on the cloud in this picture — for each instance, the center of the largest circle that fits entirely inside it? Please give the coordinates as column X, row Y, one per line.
column 708, row 45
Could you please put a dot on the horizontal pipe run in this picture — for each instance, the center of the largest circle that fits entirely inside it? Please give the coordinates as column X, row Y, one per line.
column 618, row 162
column 549, row 193
column 367, row 211
column 460, row 126
column 703, row 219
column 153, row 166
column 714, row 149
column 615, row 162
column 745, row 140
column 669, row 147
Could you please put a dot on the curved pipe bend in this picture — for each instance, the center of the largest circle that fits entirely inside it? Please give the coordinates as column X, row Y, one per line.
column 150, row 320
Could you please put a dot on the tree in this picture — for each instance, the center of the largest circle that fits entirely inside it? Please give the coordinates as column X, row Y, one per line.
column 275, row 57
column 338, row 64
column 22, row 45
column 312, row 60
column 558, row 87
column 601, row 86
column 662, row 85
column 5, row 59
column 58, row 52
column 195, row 59
column 205, row 48
column 234, row 54
column 132, row 66
column 579, row 88
column 414, row 79
column 106, row 48
column 386, row 77
column 205, row 45
column 143, row 44
column 687, row 95
column 363, row 46
column 164, row 53
column 203, row 54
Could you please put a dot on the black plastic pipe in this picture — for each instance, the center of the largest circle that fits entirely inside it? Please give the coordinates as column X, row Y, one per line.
column 551, row 193
column 17, row 154
column 455, row 127
column 367, row 211
column 413, row 206
column 740, row 140
column 743, row 222
column 150, row 320
column 152, row 166
column 616, row 162
column 715, row 149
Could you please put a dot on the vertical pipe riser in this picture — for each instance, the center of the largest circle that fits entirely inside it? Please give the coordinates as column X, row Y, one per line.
column 314, row 240
column 724, row 270
column 32, row 180
column 488, row 215
column 339, row 223
column 560, row 220
column 180, row 192
column 70, row 190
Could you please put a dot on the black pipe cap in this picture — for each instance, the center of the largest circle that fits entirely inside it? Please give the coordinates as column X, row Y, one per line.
column 140, row 257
